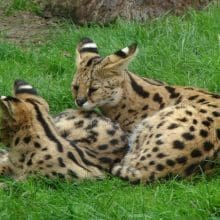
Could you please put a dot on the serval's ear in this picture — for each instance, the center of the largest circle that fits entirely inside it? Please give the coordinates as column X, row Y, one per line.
column 86, row 48
column 24, row 91
column 22, row 87
column 120, row 59
column 8, row 105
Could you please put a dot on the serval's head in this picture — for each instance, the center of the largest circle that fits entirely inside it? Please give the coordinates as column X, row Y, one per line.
column 99, row 81
column 19, row 112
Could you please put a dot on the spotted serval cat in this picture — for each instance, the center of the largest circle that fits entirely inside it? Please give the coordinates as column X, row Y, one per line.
column 174, row 130
column 85, row 127
column 35, row 145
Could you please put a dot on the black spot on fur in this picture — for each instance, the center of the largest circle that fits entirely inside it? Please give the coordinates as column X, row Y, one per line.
column 151, row 135
column 17, row 140
column 182, row 119
column 60, row 176
column 218, row 133
column 157, row 98
column 162, row 105
column 155, row 149
column 71, row 156
column 29, row 163
column 47, row 157
column 160, row 124
column 124, row 137
column 160, row 167
column 65, row 133
column 151, row 162
column 114, row 142
column 216, row 114
column 106, row 160
column 209, row 119
column 138, row 89
column 152, row 176
column 117, row 116
column 123, row 106
column 195, row 121
column 37, row 145
column 145, row 107
column 188, row 112
column 27, row 139
column 172, row 126
column 143, row 158
column 159, row 142
column 181, row 160
column 158, row 135
column 49, row 165
column 207, row 146
column 172, row 92
column 213, row 106
column 201, row 101
column 193, row 97
column 60, row 161
column 178, row 144
column 93, row 124
column 169, row 113
column 203, row 133
column 206, row 123
column 178, row 100
column 191, row 168
column 72, row 173
column 196, row 153
column 79, row 124
column 144, row 115
column 111, row 132
column 103, row 147
column 170, row 162
column 161, row 155
column 216, row 96
column 188, row 136
column 203, row 111
column 131, row 110
column 22, row 159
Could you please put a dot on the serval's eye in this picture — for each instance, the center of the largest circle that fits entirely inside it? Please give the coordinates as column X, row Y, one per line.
column 91, row 90
column 76, row 87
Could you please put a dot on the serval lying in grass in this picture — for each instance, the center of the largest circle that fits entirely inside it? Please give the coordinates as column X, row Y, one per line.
column 36, row 146
column 173, row 130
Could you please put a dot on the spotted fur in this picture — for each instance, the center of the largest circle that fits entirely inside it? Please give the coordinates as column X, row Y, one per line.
column 173, row 130
column 35, row 145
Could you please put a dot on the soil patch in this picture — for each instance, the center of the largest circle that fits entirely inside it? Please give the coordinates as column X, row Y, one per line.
column 25, row 27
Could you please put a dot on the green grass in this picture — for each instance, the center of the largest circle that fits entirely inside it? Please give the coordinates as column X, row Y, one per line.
column 178, row 50
column 22, row 5
column 111, row 199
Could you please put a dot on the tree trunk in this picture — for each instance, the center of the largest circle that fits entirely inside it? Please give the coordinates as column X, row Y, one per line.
column 105, row 11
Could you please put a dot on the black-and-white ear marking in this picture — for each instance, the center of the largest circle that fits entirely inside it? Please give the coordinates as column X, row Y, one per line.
column 3, row 97
column 127, row 51
column 8, row 99
column 20, row 86
column 87, row 45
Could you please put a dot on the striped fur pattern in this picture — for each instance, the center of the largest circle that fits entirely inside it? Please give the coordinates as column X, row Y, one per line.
column 173, row 130
column 37, row 146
